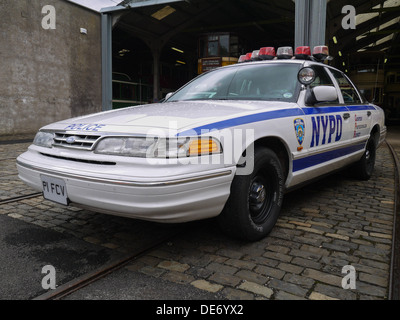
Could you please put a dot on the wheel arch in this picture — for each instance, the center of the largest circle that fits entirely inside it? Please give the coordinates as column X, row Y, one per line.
column 280, row 148
column 375, row 133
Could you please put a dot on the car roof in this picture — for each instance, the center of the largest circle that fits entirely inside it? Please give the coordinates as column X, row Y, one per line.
column 278, row 61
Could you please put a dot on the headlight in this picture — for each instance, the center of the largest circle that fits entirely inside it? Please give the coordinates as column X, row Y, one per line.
column 44, row 139
column 131, row 147
column 159, row 147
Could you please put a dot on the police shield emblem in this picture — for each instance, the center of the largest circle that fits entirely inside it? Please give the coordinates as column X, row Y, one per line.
column 299, row 127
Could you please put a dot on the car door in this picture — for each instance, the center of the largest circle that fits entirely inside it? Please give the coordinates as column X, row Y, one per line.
column 360, row 112
column 328, row 132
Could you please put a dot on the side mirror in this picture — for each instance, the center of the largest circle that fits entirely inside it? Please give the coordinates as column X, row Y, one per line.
column 321, row 94
column 169, row 94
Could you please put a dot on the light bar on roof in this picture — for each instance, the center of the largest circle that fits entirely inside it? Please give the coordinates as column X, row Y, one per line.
column 248, row 57
column 267, row 53
column 303, row 53
column 255, row 56
column 321, row 53
column 242, row 58
column 285, row 53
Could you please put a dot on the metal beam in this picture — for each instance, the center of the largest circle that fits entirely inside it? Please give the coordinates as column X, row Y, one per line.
column 386, row 44
column 302, row 16
column 374, row 37
column 347, row 36
column 106, row 60
column 148, row 3
column 318, row 23
column 310, row 22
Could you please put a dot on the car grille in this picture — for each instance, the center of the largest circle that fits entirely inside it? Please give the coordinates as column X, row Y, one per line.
column 75, row 141
column 104, row 163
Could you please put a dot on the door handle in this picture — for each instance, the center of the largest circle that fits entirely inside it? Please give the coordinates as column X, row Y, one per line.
column 346, row 116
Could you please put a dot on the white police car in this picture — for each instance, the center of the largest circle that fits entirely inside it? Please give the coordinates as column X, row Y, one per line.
column 230, row 143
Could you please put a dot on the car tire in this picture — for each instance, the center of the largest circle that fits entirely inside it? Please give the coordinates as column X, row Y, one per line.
column 255, row 200
column 364, row 168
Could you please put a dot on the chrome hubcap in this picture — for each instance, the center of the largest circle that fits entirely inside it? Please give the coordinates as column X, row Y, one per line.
column 257, row 195
column 367, row 155
column 259, row 199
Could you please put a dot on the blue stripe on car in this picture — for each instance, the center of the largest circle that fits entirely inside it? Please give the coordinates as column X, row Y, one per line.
column 243, row 120
column 269, row 116
column 299, row 164
column 319, row 110
column 314, row 160
column 323, row 110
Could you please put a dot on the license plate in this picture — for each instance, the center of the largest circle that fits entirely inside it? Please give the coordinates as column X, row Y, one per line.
column 54, row 189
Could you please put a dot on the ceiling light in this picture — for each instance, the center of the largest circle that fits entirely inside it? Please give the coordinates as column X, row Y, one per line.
column 181, row 62
column 176, row 49
column 163, row 13
column 334, row 40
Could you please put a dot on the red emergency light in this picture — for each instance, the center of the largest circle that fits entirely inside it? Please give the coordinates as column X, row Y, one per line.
column 248, row 57
column 285, row 53
column 267, row 53
column 303, row 53
column 245, row 58
column 321, row 53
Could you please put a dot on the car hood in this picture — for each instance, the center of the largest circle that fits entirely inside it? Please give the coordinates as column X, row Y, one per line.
column 173, row 117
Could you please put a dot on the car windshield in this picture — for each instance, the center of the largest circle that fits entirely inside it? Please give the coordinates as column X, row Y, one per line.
column 256, row 82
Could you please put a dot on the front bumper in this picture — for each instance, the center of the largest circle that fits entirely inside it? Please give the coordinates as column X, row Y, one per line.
column 186, row 197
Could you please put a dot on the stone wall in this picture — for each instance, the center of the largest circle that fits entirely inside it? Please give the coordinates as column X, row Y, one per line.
column 47, row 75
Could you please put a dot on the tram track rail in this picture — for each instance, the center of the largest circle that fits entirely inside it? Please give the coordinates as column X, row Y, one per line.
column 19, row 198
column 394, row 278
column 79, row 283
column 16, row 141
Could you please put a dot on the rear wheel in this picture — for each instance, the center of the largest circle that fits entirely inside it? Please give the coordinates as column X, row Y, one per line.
column 256, row 199
column 365, row 166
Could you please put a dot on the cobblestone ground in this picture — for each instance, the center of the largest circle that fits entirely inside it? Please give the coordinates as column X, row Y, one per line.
column 10, row 185
column 330, row 224
column 336, row 222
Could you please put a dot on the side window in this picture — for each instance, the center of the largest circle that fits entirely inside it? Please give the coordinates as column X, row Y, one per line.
column 322, row 79
column 349, row 93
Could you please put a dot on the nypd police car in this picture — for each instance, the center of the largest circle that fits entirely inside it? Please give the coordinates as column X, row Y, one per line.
column 229, row 144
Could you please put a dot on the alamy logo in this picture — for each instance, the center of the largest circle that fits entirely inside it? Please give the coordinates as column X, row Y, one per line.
column 49, row 280
column 49, row 20
column 349, row 281
column 349, row 21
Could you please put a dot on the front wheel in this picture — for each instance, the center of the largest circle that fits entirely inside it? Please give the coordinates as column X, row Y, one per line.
column 256, row 199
